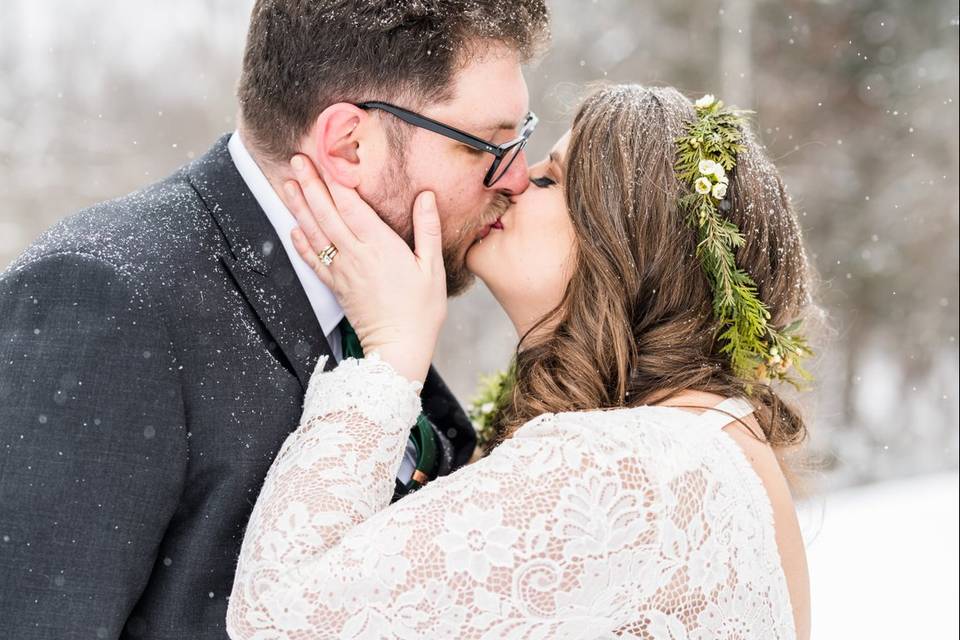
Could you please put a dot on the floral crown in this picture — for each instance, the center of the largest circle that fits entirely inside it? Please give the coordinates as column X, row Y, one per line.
column 705, row 154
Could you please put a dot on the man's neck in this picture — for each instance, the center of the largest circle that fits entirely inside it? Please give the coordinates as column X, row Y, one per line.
column 276, row 173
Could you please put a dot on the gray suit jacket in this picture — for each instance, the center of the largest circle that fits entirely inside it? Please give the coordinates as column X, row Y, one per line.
column 154, row 353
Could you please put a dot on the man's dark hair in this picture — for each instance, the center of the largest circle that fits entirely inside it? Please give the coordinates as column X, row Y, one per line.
column 304, row 55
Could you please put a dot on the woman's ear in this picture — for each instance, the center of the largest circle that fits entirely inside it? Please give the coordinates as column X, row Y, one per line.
column 333, row 141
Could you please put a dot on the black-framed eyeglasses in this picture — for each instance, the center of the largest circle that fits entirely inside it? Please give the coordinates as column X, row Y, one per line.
column 503, row 154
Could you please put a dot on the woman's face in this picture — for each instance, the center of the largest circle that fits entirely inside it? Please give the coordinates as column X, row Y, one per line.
column 526, row 259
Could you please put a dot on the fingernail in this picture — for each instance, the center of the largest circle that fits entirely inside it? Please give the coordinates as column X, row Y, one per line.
column 290, row 189
column 297, row 163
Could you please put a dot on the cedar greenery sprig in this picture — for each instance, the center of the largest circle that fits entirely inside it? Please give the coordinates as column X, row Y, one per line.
column 757, row 350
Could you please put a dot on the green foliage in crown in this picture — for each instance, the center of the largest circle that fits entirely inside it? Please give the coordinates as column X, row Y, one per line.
column 705, row 154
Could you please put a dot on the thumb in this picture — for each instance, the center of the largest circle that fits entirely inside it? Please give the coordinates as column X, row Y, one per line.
column 426, row 228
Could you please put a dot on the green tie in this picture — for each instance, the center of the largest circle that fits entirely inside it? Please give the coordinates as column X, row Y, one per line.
column 421, row 433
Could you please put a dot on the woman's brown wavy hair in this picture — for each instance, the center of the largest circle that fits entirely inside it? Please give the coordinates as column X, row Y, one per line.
column 635, row 325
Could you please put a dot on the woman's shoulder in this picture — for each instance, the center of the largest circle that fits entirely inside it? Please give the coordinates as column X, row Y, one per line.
column 664, row 441
column 664, row 435
column 634, row 423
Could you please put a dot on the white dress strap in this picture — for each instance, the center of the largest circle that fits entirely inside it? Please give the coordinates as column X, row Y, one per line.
column 722, row 414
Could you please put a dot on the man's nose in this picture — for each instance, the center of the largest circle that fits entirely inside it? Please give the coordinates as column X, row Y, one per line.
column 517, row 178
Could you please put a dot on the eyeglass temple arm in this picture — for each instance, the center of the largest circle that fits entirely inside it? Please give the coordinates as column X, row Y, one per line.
column 433, row 125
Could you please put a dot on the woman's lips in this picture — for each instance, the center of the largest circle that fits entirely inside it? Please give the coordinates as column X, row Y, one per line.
column 490, row 227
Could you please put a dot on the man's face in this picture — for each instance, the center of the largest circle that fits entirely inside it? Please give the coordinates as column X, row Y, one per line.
column 490, row 100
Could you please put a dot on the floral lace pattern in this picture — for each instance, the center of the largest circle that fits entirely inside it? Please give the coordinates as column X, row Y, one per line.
column 635, row 523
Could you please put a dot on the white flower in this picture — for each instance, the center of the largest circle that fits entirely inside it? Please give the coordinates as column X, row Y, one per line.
column 703, row 185
column 487, row 407
column 476, row 540
column 719, row 171
column 705, row 101
column 708, row 167
column 720, row 190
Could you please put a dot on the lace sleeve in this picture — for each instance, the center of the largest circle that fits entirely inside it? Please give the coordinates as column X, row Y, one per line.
column 556, row 534
column 338, row 467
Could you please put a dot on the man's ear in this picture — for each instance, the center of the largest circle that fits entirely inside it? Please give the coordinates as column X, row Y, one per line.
column 333, row 141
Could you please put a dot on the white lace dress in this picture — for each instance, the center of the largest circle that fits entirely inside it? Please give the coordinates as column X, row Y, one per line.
column 637, row 523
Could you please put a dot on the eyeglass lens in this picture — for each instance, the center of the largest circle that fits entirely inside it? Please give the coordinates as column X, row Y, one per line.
column 498, row 171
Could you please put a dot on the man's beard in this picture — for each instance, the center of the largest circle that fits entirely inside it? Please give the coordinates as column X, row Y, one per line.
column 459, row 277
column 394, row 204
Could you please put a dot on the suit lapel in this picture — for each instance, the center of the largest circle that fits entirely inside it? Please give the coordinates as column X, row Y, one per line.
column 259, row 264
column 441, row 406
column 264, row 275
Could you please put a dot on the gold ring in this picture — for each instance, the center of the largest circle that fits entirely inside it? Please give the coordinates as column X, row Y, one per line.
column 327, row 255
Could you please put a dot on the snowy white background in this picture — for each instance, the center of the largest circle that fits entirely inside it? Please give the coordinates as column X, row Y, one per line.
column 856, row 100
